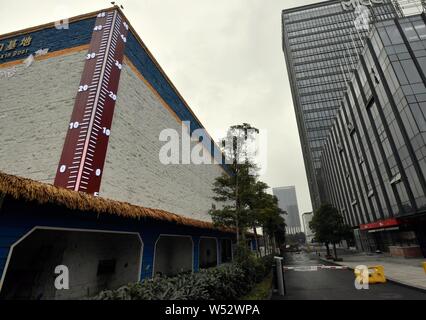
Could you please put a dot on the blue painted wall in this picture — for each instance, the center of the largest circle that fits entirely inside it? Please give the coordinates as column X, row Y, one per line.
column 17, row 219
column 196, row 240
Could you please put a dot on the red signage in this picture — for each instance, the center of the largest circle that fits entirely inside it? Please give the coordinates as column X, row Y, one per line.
column 393, row 222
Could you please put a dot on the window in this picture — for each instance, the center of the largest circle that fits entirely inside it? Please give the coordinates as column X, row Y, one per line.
column 396, row 179
column 394, row 35
column 422, row 62
column 420, row 28
column 411, row 71
column 400, row 73
column 409, row 32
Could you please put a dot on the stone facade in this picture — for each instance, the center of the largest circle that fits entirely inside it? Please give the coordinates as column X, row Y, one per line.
column 35, row 109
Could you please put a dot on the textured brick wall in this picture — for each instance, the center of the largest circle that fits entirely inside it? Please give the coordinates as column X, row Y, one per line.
column 35, row 109
column 133, row 171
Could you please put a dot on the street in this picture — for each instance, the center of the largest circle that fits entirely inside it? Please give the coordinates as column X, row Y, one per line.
column 336, row 284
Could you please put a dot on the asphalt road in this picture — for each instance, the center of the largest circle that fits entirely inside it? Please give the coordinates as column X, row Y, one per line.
column 336, row 284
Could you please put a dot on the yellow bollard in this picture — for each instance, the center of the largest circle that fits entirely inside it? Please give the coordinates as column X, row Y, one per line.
column 424, row 266
column 376, row 274
column 370, row 275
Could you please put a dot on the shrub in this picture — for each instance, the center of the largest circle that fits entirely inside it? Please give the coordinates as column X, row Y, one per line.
column 182, row 287
column 226, row 282
column 261, row 291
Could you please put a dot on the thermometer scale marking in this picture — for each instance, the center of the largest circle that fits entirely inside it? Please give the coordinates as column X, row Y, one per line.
column 85, row 147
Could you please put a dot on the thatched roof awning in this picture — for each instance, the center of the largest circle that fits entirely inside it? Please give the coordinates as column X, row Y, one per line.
column 42, row 193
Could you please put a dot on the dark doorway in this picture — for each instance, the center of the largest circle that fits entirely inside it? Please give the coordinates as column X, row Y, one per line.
column 30, row 274
column 226, row 250
column 208, row 253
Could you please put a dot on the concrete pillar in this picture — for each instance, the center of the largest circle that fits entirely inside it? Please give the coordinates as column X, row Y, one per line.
column 196, row 240
column 219, row 251
column 148, row 256
column 4, row 252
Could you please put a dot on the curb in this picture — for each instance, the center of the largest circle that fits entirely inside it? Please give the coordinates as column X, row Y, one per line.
column 399, row 282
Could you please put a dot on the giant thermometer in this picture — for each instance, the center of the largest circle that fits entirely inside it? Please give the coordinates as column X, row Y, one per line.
column 83, row 156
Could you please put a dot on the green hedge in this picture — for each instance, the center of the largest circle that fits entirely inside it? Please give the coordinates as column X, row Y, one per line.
column 226, row 282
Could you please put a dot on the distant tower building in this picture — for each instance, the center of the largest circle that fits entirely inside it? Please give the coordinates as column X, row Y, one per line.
column 306, row 219
column 287, row 201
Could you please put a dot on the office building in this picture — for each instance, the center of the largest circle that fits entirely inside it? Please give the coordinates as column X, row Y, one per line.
column 287, row 201
column 318, row 41
column 373, row 163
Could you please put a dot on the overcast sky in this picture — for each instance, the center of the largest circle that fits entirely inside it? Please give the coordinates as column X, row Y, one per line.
column 224, row 56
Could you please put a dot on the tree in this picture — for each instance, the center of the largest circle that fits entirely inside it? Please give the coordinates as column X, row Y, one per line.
column 234, row 189
column 329, row 227
column 259, row 204
column 273, row 222
column 234, row 196
column 320, row 225
column 245, row 201
column 347, row 234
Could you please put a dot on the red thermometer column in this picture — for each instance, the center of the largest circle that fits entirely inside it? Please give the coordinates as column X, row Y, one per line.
column 83, row 157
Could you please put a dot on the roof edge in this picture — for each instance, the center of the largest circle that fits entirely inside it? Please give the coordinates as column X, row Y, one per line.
column 309, row 6
column 29, row 190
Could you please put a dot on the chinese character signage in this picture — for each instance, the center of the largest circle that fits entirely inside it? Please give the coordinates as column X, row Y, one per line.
column 14, row 47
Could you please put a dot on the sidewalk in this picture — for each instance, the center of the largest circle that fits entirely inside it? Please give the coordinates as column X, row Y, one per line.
column 407, row 272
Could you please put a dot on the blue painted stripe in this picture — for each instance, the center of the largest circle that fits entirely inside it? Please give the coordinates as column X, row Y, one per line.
column 4, row 252
column 7, row 241
column 3, row 263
